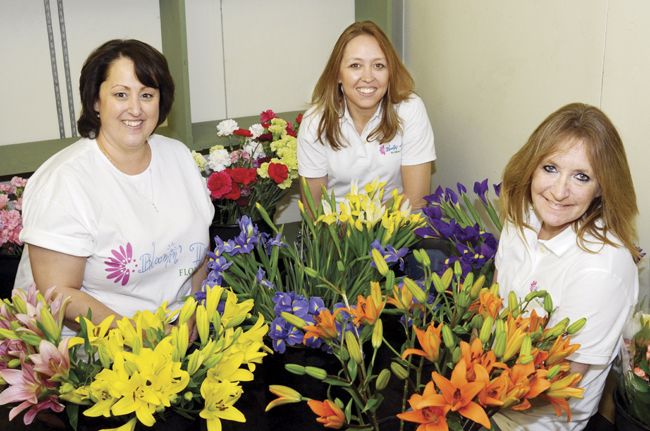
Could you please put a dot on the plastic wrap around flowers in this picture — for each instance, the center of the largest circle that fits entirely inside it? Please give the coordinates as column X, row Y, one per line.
column 447, row 219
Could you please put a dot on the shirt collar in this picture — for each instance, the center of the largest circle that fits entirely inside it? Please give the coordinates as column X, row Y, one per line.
column 347, row 117
column 560, row 243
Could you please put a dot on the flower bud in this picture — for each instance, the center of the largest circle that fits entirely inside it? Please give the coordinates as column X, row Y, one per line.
column 416, row 291
column 526, row 347
column 446, row 278
column 382, row 267
column 501, row 327
column 295, row 369
column 458, row 270
column 103, row 356
column 437, row 283
column 576, row 326
column 382, row 379
column 353, row 347
column 417, row 255
column 553, row 372
column 188, row 396
column 500, row 345
column 390, row 281
column 311, row 272
column 377, row 334
column 293, row 319
column 557, row 330
column 486, row 330
column 457, row 355
column 14, row 363
column 340, row 266
column 477, row 321
column 448, row 337
column 532, row 295
column 236, row 321
column 187, row 311
column 66, row 388
column 399, row 371
column 512, row 302
column 317, row 373
column 476, row 288
column 494, row 289
column 526, row 359
column 548, row 304
column 468, row 282
column 464, row 301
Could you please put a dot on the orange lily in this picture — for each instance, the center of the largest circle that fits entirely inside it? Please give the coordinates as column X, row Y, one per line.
column 490, row 395
column 527, row 383
column 430, row 342
column 486, row 305
column 331, row 415
column 458, row 394
column 367, row 311
column 324, row 327
column 402, row 298
column 559, row 404
column 432, row 418
column 560, row 350
column 565, row 387
column 536, row 321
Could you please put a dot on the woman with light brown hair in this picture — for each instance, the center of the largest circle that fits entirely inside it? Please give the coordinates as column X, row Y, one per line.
column 568, row 206
column 366, row 121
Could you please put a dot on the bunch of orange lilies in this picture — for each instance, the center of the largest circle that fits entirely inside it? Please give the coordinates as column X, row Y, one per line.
column 480, row 356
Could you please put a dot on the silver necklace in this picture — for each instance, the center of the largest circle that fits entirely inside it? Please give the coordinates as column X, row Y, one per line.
column 110, row 159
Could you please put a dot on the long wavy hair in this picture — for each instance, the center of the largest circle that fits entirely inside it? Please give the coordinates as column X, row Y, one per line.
column 151, row 69
column 328, row 97
column 569, row 125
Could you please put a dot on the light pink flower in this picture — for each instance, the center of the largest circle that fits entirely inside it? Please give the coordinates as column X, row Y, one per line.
column 4, row 200
column 234, row 156
column 647, row 354
column 12, row 224
column 244, row 156
column 7, row 188
column 18, row 182
column 18, row 204
column 639, row 372
column 52, row 361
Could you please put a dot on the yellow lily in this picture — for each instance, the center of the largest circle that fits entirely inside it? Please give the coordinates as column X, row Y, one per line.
column 219, row 400
column 286, row 396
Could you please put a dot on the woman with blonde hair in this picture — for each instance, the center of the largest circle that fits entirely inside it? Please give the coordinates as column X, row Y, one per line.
column 366, row 121
column 568, row 206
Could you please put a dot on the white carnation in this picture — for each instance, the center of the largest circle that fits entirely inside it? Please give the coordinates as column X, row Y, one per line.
column 219, row 160
column 226, row 127
column 255, row 149
column 256, row 130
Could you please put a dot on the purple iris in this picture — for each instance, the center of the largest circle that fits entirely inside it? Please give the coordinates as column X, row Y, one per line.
column 433, row 212
column 291, row 303
column 283, row 333
column 243, row 244
column 450, row 195
column 497, row 189
column 260, row 278
column 426, row 232
column 274, row 241
column 468, row 234
column 481, row 190
column 436, row 197
column 313, row 342
column 461, row 189
column 315, row 304
column 389, row 254
column 446, row 230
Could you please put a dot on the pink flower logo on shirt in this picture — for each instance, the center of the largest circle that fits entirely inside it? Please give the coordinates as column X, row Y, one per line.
column 533, row 286
column 382, row 150
column 120, row 266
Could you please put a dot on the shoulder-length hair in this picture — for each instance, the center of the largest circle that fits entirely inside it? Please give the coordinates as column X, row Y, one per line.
column 151, row 70
column 569, row 125
column 329, row 100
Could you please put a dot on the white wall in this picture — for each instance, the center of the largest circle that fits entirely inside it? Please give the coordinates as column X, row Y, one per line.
column 490, row 71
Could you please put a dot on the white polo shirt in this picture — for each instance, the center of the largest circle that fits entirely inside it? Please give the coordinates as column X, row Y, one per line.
column 362, row 159
column 602, row 287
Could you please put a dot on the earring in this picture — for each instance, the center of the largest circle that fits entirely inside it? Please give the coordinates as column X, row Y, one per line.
column 97, row 114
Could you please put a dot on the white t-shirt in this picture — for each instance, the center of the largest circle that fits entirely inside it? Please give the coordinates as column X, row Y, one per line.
column 143, row 235
column 362, row 159
column 602, row 287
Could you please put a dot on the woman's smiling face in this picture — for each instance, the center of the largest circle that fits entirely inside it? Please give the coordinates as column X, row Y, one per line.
column 563, row 187
column 364, row 75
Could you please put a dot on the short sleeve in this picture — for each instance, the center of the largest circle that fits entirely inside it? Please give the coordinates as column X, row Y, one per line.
column 417, row 141
column 46, row 224
column 312, row 158
column 605, row 300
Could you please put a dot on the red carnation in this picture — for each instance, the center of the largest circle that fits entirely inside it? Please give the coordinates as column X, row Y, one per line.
column 278, row 172
column 265, row 137
column 243, row 132
column 267, row 116
column 299, row 119
column 243, row 175
column 234, row 193
column 219, row 183
column 292, row 133
column 243, row 201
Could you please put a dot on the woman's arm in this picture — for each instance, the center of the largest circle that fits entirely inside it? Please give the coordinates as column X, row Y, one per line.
column 416, row 181
column 315, row 187
column 51, row 268
column 197, row 280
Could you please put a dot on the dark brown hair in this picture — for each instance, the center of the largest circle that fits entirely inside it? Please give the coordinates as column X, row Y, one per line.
column 573, row 124
column 330, row 101
column 150, row 67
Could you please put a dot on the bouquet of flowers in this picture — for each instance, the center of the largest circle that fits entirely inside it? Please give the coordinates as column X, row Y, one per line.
column 448, row 219
column 463, row 356
column 11, row 221
column 634, row 386
column 334, row 255
column 259, row 168
column 131, row 374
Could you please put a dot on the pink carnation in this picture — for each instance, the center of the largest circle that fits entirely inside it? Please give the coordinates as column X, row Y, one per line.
column 11, row 223
column 18, row 182
column 4, row 200
column 7, row 188
column 234, row 156
column 18, row 204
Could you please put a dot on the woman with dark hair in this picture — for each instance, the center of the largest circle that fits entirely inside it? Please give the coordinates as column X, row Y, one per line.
column 568, row 206
column 118, row 221
column 366, row 121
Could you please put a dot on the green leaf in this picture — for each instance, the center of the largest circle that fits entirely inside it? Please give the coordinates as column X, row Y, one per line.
column 374, row 402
